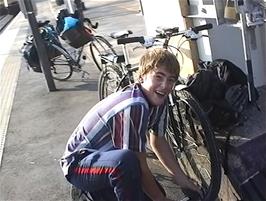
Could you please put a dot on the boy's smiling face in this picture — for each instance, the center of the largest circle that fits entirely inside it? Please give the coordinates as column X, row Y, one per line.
column 157, row 84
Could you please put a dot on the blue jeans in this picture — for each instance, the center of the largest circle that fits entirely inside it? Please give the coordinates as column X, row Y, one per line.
column 111, row 175
column 115, row 171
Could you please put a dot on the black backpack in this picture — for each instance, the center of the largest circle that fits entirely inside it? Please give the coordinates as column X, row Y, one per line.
column 221, row 88
column 30, row 55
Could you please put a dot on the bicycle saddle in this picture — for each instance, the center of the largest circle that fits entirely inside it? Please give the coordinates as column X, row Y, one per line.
column 121, row 34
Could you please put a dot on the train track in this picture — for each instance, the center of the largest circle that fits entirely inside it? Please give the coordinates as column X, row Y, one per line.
column 7, row 14
column 5, row 20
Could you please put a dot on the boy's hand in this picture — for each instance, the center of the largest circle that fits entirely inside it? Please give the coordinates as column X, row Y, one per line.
column 191, row 189
column 192, row 195
column 197, row 189
column 165, row 199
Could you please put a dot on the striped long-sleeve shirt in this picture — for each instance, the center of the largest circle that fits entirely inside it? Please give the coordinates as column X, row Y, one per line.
column 119, row 121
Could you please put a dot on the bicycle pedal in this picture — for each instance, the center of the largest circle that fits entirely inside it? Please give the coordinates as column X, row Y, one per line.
column 85, row 75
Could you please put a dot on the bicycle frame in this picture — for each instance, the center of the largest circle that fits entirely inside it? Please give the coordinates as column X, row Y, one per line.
column 50, row 37
column 171, row 104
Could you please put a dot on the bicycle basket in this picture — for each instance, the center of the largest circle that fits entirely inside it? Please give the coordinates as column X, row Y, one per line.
column 77, row 36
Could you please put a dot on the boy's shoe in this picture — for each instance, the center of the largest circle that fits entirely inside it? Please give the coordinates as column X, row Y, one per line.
column 78, row 195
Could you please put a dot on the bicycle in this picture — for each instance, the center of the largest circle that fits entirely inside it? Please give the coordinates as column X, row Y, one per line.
column 189, row 132
column 74, row 37
column 63, row 63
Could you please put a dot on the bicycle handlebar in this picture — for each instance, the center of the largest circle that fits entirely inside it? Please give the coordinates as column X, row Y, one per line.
column 88, row 21
column 201, row 27
column 165, row 33
column 123, row 41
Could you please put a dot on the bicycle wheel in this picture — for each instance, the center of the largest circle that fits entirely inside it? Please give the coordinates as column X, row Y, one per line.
column 100, row 46
column 110, row 80
column 192, row 141
column 61, row 66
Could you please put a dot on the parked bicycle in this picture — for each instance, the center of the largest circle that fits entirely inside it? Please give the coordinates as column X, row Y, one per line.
column 63, row 62
column 80, row 35
column 189, row 132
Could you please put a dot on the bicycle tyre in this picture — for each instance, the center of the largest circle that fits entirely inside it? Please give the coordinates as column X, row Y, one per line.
column 109, row 81
column 196, row 141
column 100, row 46
column 61, row 66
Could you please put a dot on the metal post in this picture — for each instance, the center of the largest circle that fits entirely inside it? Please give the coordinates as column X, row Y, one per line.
column 79, row 6
column 247, row 55
column 73, row 5
column 141, row 7
column 70, row 6
column 40, row 46
column 5, row 3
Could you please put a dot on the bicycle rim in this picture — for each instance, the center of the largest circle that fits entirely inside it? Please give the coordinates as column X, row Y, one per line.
column 61, row 67
column 100, row 46
column 109, row 81
column 194, row 146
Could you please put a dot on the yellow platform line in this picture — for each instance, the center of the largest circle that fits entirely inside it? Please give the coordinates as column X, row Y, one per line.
column 8, row 82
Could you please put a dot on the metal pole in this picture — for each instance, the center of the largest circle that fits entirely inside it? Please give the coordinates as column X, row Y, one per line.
column 141, row 7
column 70, row 7
column 247, row 55
column 5, row 3
column 40, row 46
column 79, row 6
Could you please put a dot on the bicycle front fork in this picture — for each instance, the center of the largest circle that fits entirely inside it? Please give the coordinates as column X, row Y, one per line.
column 175, row 122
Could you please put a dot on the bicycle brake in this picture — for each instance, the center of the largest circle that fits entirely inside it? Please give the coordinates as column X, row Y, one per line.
column 191, row 34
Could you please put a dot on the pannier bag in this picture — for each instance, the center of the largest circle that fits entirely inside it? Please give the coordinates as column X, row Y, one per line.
column 30, row 54
column 221, row 89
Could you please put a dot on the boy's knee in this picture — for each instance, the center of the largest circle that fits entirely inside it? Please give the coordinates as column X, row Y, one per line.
column 130, row 157
column 129, row 161
column 127, row 170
